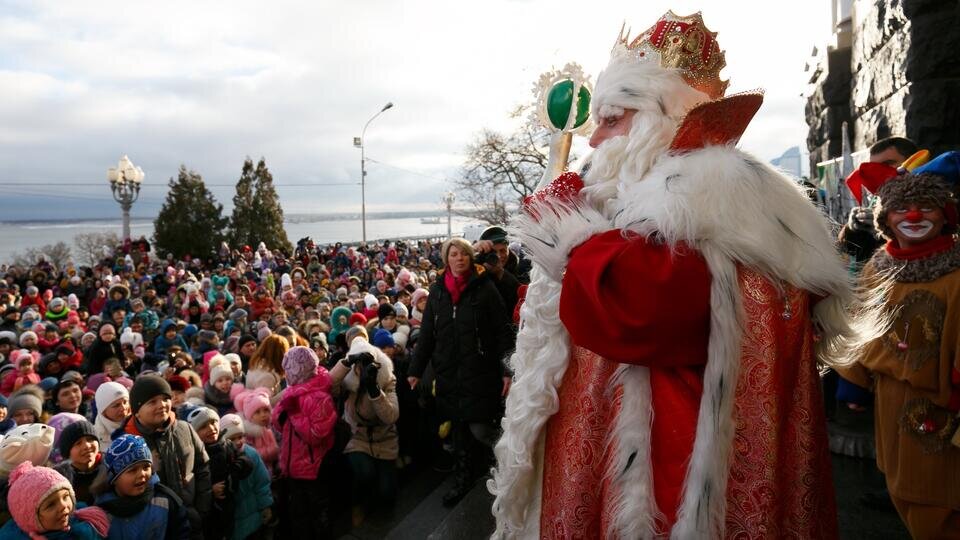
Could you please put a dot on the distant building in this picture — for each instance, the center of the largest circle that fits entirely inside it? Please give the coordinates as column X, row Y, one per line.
column 791, row 162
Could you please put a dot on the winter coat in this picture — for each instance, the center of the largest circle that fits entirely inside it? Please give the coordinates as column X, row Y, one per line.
column 163, row 516
column 83, row 482
column 220, row 401
column 112, row 305
column 14, row 380
column 227, row 465
column 79, row 530
column 34, row 300
column 99, row 351
column 263, row 441
column 161, row 343
column 305, row 417
column 180, row 460
column 466, row 345
column 258, row 306
column 372, row 421
column 151, row 321
column 253, row 497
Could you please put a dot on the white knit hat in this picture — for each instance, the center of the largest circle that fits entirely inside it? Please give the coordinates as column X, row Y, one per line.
column 129, row 337
column 108, row 393
column 220, row 370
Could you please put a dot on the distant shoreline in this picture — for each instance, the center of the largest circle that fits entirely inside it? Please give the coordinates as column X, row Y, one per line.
column 290, row 218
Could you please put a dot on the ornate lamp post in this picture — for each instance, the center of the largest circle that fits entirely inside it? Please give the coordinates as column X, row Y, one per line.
column 359, row 142
column 448, row 199
column 125, row 184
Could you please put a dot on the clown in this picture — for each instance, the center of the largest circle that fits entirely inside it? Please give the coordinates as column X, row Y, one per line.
column 914, row 367
column 665, row 370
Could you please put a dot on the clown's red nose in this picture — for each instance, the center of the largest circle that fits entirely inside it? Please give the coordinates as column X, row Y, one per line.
column 914, row 216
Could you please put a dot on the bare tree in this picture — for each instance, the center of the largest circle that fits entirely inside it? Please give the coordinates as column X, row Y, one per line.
column 501, row 169
column 57, row 254
column 93, row 247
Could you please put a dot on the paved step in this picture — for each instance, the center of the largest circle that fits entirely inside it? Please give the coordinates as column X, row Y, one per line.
column 419, row 487
column 470, row 519
column 425, row 517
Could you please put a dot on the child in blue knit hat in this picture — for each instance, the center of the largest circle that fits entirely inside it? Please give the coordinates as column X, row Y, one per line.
column 139, row 506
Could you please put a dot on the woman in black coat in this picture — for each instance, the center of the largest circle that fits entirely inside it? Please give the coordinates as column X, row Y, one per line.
column 464, row 335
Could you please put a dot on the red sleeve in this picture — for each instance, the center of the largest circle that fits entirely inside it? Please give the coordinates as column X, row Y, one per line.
column 634, row 301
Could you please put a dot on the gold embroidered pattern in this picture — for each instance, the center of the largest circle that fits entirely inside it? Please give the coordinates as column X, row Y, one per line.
column 933, row 426
column 915, row 334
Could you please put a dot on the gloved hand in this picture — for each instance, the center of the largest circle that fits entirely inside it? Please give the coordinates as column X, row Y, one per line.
column 369, row 379
column 362, row 358
column 860, row 219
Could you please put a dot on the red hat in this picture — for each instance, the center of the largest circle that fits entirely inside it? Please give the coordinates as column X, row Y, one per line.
column 358, row 318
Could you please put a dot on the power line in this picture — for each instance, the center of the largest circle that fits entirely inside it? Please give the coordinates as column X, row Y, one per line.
column 407, row 170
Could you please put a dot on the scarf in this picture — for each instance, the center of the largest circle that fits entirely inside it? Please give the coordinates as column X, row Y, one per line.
column 456, row 284
column 937, row 245
column 124, row 507
column 105, row 425
column 215, row 396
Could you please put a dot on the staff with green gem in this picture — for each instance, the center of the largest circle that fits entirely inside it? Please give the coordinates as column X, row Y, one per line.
column 563, row 107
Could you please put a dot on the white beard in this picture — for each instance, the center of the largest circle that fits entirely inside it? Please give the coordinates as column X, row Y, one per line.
column 626, row 159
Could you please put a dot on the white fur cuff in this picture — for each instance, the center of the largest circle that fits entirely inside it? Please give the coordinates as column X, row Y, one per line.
column 559, row 229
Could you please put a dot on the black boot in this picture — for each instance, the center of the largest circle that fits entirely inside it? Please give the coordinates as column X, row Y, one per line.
column 462, row 480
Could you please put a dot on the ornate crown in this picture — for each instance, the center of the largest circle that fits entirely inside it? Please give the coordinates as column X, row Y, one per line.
column 682, row 43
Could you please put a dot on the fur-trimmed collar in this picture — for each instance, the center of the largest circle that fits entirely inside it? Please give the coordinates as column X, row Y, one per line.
column 917, row 270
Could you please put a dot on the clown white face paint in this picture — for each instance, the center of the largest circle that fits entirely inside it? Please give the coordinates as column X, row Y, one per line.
column 915, row 224
column 915, row 230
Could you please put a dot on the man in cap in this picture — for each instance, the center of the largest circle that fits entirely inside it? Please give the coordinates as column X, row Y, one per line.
column 677, row 392
column 493, row 251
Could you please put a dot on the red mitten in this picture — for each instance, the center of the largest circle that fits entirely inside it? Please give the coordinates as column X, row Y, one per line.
column 565, row 189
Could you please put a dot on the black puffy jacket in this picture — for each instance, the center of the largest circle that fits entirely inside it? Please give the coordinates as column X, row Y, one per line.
column 466, row 344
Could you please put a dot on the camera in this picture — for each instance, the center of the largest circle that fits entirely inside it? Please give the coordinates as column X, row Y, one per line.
column 490, row 257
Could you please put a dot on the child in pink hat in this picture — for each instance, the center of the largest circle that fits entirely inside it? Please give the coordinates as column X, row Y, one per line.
column 42, row 503
column 254, row 407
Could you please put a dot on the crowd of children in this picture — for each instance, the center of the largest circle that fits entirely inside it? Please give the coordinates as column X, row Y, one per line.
column 145, row 397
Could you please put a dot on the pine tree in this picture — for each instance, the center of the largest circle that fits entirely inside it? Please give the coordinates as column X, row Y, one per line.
column 190, row 221
column 243, row 221
column 269, row 214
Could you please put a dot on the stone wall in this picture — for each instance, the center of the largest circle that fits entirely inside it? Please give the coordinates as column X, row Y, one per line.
column 904, row 79
column 829, row 106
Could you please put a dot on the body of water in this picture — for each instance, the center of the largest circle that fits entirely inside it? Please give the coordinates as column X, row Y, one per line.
column 17, row 237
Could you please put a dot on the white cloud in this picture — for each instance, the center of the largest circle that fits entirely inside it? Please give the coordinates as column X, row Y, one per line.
column 208, row 83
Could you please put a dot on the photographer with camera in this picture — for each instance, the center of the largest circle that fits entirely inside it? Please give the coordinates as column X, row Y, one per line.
column 493, row 252
column 371, row 410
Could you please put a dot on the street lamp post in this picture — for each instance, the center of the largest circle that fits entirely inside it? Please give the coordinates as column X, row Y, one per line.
column 448, row 199
column 359, row 142
column 125, row 184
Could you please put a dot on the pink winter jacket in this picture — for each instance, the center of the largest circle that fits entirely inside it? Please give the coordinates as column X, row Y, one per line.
column 305, row 417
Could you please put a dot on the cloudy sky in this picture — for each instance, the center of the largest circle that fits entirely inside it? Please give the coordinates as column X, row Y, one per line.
column 209, row 83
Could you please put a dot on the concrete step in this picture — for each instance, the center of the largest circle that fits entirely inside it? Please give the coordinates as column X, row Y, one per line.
column 423, row 519
column 470, row 519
